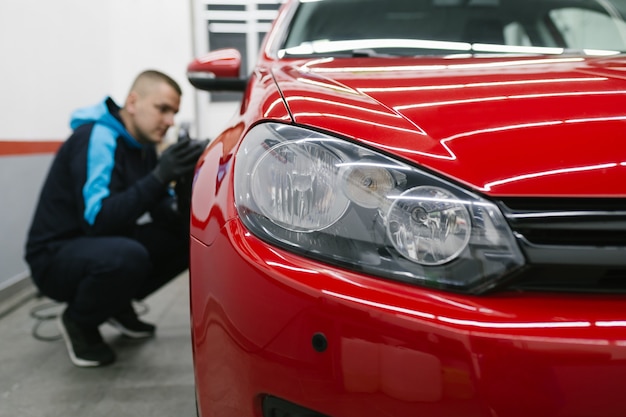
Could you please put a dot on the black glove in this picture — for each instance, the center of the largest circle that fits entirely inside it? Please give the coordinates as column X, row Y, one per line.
column 183, row 184
column 178, row 160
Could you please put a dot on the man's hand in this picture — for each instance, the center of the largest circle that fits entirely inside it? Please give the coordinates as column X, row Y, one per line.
column 183, row 185
column 178, row 160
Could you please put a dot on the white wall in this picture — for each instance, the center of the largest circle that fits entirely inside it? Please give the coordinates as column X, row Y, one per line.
column 62, row 54
column 59, row 55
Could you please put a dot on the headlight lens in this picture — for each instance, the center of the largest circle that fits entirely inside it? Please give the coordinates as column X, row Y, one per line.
column 428, row 225
column 341, row 203
column 294, row 185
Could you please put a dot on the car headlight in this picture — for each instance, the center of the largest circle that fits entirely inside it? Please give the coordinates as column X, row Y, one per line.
column 294, row 186
column 341, row 203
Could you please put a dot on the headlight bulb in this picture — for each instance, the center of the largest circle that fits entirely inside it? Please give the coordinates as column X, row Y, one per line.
column 367, row 185
column 429, row 225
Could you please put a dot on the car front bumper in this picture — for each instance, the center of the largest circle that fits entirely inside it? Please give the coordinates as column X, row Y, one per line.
column 266, row 322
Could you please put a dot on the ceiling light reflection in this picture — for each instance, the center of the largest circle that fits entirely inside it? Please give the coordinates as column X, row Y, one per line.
column 463, row 322
column 387, row 307
column 519, row 325
column 292, row 268
column 618, row 323
column 416, row 131
column 597, row 119
column 451, row 102
column 489, row 186
column 341, row 104
column 325, row 46
column 412, row 68
column 373, row 164
column 272, row 106
column 482, row 84
column 510, row 97
column 600, row 52
column 326, row 85
column 514, row 49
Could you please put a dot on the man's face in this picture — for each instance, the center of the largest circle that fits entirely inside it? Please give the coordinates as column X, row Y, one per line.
column 152, row 112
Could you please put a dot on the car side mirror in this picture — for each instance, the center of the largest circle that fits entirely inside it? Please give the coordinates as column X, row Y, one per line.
column 217, row 71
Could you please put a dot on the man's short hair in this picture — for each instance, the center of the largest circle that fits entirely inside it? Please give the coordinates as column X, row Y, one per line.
column 154, row 75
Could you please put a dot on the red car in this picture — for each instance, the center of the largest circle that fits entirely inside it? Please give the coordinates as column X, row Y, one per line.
column 419, row 210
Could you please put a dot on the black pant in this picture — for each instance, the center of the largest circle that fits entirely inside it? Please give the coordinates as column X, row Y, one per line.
column 99, row 276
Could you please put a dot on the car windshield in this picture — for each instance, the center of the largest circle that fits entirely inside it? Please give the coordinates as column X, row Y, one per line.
column 444, row 27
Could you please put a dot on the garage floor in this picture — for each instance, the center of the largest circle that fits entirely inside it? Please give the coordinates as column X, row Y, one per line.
column 152, row 377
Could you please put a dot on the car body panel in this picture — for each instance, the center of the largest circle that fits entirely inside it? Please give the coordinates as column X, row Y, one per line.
column 394, row 348
column 476, row 127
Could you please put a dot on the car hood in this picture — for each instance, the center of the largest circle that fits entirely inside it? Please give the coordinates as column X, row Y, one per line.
column 524, row 126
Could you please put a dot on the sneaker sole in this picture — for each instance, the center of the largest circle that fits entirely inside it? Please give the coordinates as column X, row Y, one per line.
column 83, row 363
column 127, row 332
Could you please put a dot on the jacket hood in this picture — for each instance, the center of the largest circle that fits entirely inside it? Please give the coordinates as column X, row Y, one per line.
column 101, row 113
column 508, row 126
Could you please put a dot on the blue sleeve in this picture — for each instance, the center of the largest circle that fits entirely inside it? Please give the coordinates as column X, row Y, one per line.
column 100, row 163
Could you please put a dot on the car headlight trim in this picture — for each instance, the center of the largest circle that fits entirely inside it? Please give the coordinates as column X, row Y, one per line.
column 338, row 202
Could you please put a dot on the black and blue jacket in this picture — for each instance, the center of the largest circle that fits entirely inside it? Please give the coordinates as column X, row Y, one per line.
column 99, row 183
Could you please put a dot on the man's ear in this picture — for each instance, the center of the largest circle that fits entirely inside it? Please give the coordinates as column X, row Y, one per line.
column 131, row 102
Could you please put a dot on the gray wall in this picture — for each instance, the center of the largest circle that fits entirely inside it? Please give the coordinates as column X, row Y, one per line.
column 21, row 178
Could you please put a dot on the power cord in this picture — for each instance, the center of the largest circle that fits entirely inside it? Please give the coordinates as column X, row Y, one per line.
column 44, row 313
column 50, row 311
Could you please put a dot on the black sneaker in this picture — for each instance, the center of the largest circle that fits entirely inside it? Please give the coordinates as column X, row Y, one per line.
column 129, row 325
column 84, row 345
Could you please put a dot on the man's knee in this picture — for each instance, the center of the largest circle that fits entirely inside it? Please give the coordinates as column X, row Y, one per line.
column 127, row 256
